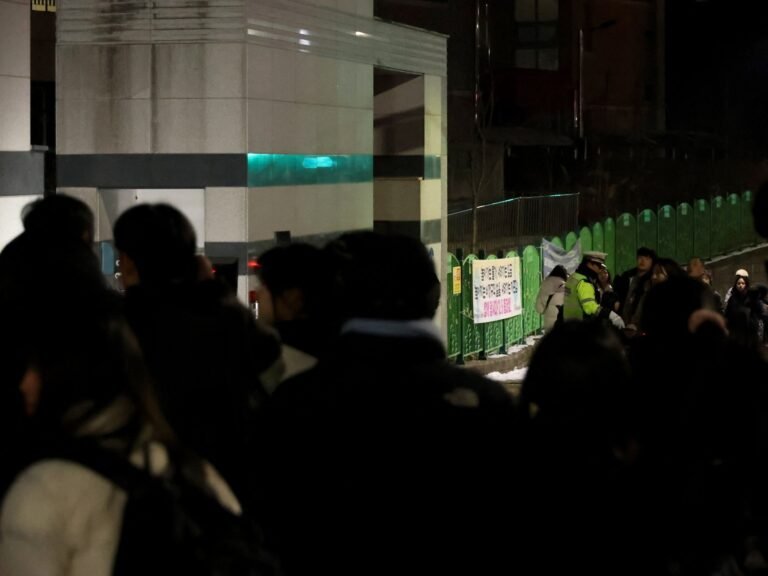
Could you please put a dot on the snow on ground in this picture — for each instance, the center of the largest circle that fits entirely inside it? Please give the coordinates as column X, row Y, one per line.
column 514, row 376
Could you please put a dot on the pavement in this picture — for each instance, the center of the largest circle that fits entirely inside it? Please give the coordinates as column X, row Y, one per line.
column 516, row 357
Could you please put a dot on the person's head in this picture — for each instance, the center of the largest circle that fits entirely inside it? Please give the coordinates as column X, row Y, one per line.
column 577, row 387
column 594, row 262
column 696, row 268
column 80, row 365
column 559, row 271
column 645, row 259
column 663, row 269
column 156, row 245
column 741, row 283
column 383, row 277
column 59, row 217
column 293, row 283
column 668, row 306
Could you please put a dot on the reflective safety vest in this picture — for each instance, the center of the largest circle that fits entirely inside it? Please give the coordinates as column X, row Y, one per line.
column 580, row 298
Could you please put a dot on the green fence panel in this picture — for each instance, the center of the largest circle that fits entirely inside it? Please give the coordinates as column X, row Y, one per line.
column 454, row 306
column 531, row 273
column 718, row 228
column 647, row 232
column 471, row 333
column 493, row 332
column 702, row 227
column 557, row 242
column 609, row 244
column 733, row 223
column 665, row 224
column 585, row 237
column 513, row 327
column 570, row 240
column 626, row 243
column 597, row 237
column 684, row 237
column 748, row 235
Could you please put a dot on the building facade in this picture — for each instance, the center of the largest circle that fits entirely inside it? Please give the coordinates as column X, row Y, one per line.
column 257, row 118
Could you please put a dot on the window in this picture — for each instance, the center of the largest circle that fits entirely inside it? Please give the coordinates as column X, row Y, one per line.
column 536, row 42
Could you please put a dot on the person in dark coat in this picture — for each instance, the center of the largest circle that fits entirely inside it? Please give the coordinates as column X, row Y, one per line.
column 293, row 295
column 388, row 459
column 205, row 350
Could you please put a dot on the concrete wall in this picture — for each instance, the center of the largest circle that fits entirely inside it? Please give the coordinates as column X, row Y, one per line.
column 266, row 105
column 21, row 170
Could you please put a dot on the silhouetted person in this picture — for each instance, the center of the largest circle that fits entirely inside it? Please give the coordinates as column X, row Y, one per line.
column 294, row 297
column 388, row 459
column 206, row 352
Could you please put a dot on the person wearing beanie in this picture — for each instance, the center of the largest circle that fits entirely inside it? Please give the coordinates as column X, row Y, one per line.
column 740, row 273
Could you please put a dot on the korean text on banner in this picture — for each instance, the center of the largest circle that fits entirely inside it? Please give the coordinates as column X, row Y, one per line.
column 552, row 255
column 496, row 289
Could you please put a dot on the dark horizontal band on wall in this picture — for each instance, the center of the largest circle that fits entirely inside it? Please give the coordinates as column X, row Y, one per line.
column 428, row 231
column 211, row 170
column 151, row 170
column 391, row 166
column 22, row 173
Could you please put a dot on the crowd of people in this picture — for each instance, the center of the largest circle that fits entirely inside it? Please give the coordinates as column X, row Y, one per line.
column 335, row 425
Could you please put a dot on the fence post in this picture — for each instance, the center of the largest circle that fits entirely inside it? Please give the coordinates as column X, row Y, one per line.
column 482, row 356
column 460, row 359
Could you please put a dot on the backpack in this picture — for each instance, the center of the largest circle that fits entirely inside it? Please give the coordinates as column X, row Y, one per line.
column 171, row 525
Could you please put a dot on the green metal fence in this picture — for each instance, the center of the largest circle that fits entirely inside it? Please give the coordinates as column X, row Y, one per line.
column 609, row 242
column 702, row 225
column 647, row 230
column 684, row 245
column 472, row 338
column 665, row 221
column 597, row 237
column 585, row 237
column 531, row 275
column 703, row 228
column 626, row 243
column 454, row 306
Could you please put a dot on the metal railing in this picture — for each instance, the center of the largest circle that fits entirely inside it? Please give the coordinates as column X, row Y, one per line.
column 513, row 222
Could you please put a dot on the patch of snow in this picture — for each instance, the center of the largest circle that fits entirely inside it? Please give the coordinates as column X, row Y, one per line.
column 517, row 375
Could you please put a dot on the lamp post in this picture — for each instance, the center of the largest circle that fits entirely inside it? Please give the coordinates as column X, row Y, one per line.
column 580, row 112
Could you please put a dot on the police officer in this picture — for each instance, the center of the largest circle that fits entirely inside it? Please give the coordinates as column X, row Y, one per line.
column 582, row 296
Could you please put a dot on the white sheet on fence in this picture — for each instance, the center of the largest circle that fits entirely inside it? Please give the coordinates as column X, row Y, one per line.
column 552, row 255
column 496, row 293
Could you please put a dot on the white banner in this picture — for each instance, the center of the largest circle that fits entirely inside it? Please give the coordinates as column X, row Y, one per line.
column 552, row 255
column 496, row 289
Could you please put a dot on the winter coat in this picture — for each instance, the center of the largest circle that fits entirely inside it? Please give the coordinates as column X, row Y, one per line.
column 384, row 453
column 59, row 518
column 551, row 295
column 208, row 356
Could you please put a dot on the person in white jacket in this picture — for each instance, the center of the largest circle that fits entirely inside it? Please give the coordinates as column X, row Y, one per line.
column 80, row 378
column 551, row 296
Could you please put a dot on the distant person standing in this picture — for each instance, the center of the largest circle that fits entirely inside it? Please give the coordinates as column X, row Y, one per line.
column 740, row 273
column 582, row 294
column 549, row 301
